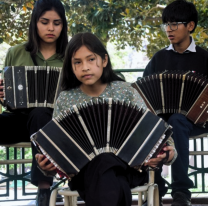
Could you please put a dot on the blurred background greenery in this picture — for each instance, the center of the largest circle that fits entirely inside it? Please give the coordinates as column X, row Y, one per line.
column 123, row 22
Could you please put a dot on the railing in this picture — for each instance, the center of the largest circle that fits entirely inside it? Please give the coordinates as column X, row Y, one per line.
column 198, row 164
column 198, row 168
column 198, row 172
column 19, row 175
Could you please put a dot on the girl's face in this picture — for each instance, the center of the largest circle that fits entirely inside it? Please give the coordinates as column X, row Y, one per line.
column 88, row 66
column 49, row 26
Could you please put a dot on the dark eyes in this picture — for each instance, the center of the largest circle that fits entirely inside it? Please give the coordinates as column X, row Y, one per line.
column 55, row 23
column 78, row 62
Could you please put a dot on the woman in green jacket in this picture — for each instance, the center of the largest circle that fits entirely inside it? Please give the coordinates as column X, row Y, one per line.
column 47, row 40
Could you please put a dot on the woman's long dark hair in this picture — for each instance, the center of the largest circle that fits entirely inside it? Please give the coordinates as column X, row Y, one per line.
column 41, row 6
column 89, row 40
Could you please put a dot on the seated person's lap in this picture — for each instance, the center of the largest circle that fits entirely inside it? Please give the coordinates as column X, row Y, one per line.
column 13, row 128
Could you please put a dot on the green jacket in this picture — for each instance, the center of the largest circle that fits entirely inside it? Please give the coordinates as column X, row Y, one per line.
column 18, row 56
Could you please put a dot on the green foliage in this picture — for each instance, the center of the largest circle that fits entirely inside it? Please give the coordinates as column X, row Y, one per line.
column 125, row 22
column 11, row 155
column 14, row 20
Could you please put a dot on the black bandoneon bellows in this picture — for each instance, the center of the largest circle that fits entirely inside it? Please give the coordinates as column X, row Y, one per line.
column 182, row 92
column 31, row 86
column 76, row 136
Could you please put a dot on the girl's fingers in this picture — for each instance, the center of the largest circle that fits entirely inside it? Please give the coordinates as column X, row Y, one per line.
column 155, row 161
column 162, row 156
column 43, row 163
column 52, row 168
column 171, row 152
column 49, row 167
column 39, row 157
column 168, row 148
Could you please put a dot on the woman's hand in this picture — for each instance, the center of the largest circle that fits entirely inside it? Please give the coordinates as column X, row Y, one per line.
column 155, row 161
column 1, row 89
column 43, row 163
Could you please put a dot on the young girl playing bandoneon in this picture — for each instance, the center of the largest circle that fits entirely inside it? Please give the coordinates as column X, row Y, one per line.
column 88, row 74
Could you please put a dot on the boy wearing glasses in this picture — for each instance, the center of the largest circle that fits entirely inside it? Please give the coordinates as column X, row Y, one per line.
column 179, row 21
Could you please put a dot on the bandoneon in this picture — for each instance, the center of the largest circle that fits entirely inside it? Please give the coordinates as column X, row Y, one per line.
column 76, row 136
column 176, row 92
column 31, row 86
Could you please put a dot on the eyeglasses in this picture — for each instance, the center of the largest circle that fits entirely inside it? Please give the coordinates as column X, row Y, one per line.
column 173, row 26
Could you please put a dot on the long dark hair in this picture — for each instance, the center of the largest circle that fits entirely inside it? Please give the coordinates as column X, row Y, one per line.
column 180, row 11
column 41, row 6
column 89, row 40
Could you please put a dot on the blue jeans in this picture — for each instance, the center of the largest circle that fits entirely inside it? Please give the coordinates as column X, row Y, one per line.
column 182, row 130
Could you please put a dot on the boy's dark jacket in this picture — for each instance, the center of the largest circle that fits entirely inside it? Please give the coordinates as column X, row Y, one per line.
column 171, row 60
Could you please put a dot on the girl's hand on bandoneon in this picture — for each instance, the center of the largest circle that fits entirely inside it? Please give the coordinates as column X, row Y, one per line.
column 44, row 163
